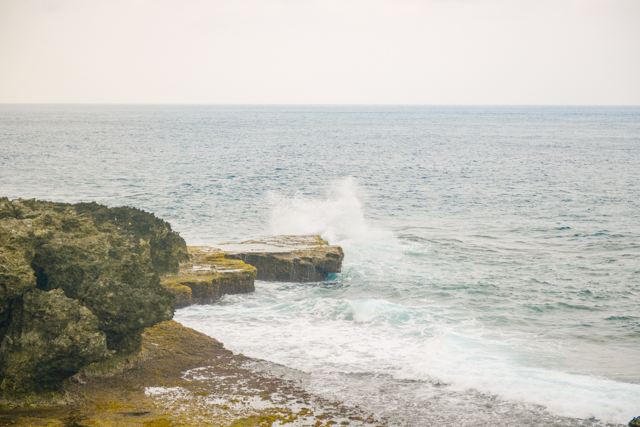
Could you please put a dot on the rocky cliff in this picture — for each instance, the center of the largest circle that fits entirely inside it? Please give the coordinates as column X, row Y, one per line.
column 78, row 284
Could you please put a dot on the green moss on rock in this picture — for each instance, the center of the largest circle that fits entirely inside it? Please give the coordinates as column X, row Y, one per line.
column 102, row 261
column 208, row 275
column 182, row 293
column 50, row 339
column 288, row 258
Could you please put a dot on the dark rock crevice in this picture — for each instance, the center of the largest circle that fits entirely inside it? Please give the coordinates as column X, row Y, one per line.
column 42, row 281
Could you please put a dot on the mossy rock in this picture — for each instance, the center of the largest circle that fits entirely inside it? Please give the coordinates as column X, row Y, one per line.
column 251, row 421
column 288, row 258
column 50, row 339
column 165, row 247
column 204, row 289
column 208, row 275
column 102, row 261
column 160, row 422
column 182, row 293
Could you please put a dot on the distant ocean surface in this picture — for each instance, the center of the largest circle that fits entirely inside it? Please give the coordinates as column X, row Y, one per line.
column 492, row 254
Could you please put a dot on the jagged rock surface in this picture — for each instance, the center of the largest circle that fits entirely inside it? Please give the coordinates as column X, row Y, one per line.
column 50, row 339
column 289, row 258
column 165, row 247
column 90, row 270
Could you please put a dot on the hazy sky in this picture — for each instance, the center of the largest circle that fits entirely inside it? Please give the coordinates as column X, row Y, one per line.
column 320, row 51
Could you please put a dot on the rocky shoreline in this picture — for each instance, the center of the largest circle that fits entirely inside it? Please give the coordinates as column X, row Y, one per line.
column 231, row 268
column 181, row 377
column 87, row 294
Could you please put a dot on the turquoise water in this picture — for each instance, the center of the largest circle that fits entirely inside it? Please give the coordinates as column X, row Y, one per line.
column 492, row 270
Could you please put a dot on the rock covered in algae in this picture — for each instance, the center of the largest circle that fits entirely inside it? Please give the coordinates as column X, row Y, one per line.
column 288, row 258
column 213, row 271
column 50, row 339
column 156, row 239
column 207, row 276
column 89, row 270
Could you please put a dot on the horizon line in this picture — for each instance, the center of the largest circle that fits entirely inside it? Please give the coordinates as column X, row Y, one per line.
column 309, row 104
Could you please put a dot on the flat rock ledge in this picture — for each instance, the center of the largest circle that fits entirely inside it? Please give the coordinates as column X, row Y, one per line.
column 207, row 276
column 231, row 268
column 288, row 258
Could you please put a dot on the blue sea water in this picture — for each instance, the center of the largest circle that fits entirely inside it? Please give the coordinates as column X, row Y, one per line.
column 492, row 254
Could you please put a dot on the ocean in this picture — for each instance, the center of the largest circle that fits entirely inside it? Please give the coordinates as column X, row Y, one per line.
column 492, row 254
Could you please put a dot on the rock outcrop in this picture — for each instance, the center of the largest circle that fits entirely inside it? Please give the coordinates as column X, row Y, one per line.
column 288, row 258
column 78, row 283
column 214, row 271
column 207, row 276
column 50, row 338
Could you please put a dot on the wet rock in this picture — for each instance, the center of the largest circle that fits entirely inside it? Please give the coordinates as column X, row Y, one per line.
column 182, row 293
column 214, row 271
column 105, row 260
column 288, row 258
column 208, row 276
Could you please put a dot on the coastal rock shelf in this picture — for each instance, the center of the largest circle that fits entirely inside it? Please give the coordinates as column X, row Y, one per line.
column 80, row 283
column 207, row 276
column 231, row 268
column 288, row 258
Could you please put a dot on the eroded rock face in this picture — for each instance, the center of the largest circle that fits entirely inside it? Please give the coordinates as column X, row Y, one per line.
column 90, row 270
column 165, row 248
column 51, row 338
column 288, row 258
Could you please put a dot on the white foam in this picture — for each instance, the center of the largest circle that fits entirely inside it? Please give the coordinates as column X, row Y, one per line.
column 365, row 311
column 333, row 335
column 473, row 364
column 363, row 327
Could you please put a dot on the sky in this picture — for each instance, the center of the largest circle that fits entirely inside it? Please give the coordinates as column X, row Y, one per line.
column 431, row 52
